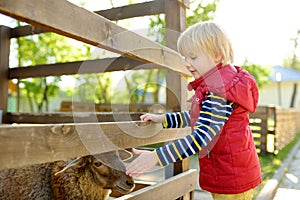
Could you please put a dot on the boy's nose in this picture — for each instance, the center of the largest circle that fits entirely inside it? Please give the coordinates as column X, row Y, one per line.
column 188, row 66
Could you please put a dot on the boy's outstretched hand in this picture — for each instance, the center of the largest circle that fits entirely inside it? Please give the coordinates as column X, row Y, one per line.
column 144, row 162
column 146, row 159
column 153, row 117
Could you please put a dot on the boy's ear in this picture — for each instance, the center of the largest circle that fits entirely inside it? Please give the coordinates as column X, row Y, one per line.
column 218, row 58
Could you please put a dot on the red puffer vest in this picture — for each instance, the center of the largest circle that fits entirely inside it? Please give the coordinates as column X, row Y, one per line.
column 229, row 164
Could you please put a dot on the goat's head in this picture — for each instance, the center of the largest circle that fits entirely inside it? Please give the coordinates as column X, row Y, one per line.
column 107, row 170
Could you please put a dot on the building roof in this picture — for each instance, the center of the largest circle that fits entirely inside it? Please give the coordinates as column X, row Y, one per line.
column 280, row 73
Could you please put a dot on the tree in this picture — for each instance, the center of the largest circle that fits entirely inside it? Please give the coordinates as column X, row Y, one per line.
column 94, row 88
column 294, row 64
column 138, row 88
column 201, row 11
column 45, row 48
column 260, row 73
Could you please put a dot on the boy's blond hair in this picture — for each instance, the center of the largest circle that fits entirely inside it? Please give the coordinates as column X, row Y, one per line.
column 206, row 37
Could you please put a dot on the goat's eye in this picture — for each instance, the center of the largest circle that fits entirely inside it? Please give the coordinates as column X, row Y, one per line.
column 97, row 164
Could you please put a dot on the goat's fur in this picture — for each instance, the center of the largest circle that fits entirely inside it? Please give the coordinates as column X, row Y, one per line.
column 83, row 178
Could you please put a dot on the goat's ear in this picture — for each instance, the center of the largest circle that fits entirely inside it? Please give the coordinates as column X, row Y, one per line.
column 76, row 163
column 124, row 154
column 111, row 159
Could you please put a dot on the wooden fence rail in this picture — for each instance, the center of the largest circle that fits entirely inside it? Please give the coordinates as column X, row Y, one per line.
column 274, row 127
column 102, row 32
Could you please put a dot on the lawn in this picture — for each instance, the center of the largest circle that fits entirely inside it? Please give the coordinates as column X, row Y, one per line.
column 270, row 163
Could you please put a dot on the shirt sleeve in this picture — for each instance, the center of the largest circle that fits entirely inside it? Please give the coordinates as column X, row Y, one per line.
column 177, row 119
column 214, row 113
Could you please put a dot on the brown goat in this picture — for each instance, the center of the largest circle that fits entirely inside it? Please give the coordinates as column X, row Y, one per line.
column 88, row 177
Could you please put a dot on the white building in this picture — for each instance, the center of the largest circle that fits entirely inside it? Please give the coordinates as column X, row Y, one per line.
column 279, row 90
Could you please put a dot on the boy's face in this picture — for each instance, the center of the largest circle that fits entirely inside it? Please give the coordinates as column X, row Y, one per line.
column 199, row 64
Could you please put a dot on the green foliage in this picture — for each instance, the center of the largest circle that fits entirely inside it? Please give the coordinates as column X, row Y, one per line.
column 94, row 88
column 157, row 28
column 260, row 73
column 142, row 82
column 293, row 60
column 48, row 48
column 289, row 61
column 202, row 10
column 45, row 48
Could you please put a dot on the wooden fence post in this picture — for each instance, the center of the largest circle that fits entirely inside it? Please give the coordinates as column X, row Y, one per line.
column 271, row 113
column 175, row 24
column 4, row 64
column 176, row 93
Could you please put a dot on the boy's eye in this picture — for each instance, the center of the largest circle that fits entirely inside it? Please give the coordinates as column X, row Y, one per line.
column 193, row 56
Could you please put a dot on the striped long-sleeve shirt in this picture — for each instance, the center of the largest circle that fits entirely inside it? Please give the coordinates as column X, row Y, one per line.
column 214, row 113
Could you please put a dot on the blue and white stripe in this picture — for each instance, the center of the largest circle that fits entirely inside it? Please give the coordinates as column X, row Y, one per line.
column 213, row 115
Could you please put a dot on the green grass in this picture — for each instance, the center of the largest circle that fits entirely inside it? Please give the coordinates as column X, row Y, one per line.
column 270, row 163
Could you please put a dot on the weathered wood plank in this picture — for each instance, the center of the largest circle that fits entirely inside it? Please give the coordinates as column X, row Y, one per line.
column 176, row 93
column 25, row 31
column 134, row 10
column 4, row 62
column 185, row 3
column 69, row 117
column 22, row 145
column 170, row 189
column 175, row 24
column 92, row 29
column 75, row 106
column 79, row 67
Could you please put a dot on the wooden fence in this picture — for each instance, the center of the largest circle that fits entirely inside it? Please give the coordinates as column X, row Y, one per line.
column 67, row 106
column 274, row 127
column 55, row 136
column 286, row 127
column 260, row 129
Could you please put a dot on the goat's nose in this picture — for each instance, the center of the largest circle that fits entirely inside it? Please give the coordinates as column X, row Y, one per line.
column 130, row 183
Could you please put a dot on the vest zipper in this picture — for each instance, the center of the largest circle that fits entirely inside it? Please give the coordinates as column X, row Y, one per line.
column 208, row 153
column 213, row 165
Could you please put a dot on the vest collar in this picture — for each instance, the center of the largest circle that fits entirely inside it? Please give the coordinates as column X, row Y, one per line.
column 193, row 85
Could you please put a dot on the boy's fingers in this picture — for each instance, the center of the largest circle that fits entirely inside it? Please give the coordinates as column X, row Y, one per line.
column 136, row 151
column 145, row 117
column 137, row 171
column 131, row 168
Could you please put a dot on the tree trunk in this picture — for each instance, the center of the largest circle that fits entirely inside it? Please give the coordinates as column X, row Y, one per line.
column 294, row 94
column 146, row 86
